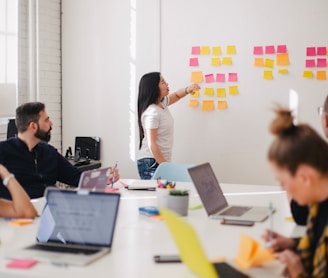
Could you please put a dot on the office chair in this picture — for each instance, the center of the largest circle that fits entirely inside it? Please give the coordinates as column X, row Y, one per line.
column 172, row 172
column 11, row 128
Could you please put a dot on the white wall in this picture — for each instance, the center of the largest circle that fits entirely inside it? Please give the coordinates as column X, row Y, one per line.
column 101, row 70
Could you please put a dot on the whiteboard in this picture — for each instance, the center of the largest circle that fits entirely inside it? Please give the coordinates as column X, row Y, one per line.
column 235, row 140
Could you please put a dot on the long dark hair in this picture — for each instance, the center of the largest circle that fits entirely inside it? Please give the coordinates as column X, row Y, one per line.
column 148, row 94
column 296, row 144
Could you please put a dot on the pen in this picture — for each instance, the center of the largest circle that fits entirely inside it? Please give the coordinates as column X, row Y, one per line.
column 115, row 167
column 271, row 222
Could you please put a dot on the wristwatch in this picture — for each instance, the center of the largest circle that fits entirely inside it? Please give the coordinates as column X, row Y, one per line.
column 7, row 179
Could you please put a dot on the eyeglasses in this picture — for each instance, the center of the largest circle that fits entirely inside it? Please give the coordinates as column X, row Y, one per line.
column 320, row 110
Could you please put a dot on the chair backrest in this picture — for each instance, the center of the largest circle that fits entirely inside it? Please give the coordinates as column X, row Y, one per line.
column 11, row 128
column 173, row 172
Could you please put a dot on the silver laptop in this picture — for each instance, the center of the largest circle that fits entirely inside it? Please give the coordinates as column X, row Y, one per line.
column 75, row 227
column 214, row 201
column 94, row 180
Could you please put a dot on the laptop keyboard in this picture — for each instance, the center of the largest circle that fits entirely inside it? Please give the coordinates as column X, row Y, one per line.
column 235, row 211
column 227, row 271
column 63, row 249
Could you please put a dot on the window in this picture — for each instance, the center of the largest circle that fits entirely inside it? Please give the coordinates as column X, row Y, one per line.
column 8, row 41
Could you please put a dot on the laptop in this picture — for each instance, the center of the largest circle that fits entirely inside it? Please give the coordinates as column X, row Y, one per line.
column 191, row 251
column 214, row 201
column 75, row 228
column 94, row 180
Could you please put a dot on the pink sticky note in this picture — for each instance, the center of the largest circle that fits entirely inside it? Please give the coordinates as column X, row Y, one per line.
column 309, row 63
column 220, row 77
column 282, row 49
column 258, row 50
column 21, row 263
column 195, row 50
column 193, row 62
column 209, row 78
column 310, row 51
column 232, row 77
column 321, row 62
column 322, row 51
column 269, row 49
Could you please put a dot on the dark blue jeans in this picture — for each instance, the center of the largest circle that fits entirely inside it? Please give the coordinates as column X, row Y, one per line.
column 146, row 168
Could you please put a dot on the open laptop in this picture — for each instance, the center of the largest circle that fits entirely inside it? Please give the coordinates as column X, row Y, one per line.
column 94, row 180
column 191, row 251
column 214, row 201
column 75, row 228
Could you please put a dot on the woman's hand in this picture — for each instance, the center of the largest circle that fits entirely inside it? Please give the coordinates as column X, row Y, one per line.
column 292, row 262
column 277, row 242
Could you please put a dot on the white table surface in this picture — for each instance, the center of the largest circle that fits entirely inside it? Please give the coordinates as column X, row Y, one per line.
column 137, row 237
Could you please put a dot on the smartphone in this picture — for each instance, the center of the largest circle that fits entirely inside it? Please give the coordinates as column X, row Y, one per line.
column 237, row 222
column 167, row 259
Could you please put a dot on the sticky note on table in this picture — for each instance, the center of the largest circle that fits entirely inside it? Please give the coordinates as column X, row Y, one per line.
column 20, row 222
column 250, row 253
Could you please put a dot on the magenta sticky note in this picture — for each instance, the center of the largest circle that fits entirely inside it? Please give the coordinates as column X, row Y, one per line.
column 321, row 62
column 310, row 51
column 209, row 78
column 195, row 50
column 269, row 49
column 281, row 49
column 220, row 77
column 258, row 50
column 193, row 62
column 232, row 77
column 310, row 63
column 322, row 51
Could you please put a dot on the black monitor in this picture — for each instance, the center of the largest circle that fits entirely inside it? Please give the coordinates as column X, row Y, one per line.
column 88, row 146
column 11, row 128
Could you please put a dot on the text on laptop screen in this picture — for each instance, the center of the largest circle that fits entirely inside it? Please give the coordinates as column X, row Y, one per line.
column 74, row 218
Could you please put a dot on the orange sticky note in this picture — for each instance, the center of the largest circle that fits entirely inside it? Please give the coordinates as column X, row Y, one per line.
column 197, row 77
column 258, row 62
column 321, row 75
column 222, row 105
column 193, row 102
column 282, row 59
column 20, row 222
column 208, row 105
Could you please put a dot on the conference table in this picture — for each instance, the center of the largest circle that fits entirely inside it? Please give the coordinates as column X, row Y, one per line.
column 138, row 237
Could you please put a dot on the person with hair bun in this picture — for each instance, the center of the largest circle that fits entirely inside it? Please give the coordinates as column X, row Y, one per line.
column 298, row 160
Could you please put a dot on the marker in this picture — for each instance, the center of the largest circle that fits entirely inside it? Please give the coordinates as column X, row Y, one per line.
column 115, row 167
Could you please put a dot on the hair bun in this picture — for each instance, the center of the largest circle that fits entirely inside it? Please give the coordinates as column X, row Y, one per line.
column 283, row 122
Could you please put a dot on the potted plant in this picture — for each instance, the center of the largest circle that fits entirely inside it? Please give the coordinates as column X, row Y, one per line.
column 178, row 201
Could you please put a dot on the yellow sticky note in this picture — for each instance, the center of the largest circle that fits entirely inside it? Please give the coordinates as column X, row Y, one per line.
column 283, row 71
column 250, row 253
column 233, row 90
column 197, row 77
column 321, row 75
column 267, row 74
column 308, row 74
column 231, row 49
column 269, row 63
column 193, row 103
column 209, row 92
column 208, row 105
column 205, row 50
column 258, row 62
column 221, row 92
column 216, row 50
column 215, row 62
column 282, row 59
column 222, row 105
column 226, row 61
column 195, row 93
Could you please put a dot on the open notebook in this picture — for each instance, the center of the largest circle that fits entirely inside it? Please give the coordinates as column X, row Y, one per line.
column 191, row 251
column 214, row 201
column 75, row 227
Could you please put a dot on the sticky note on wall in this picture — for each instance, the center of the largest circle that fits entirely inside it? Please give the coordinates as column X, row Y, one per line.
column 197, row 77
column 208, row 105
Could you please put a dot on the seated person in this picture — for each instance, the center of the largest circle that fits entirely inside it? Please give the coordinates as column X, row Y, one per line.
column 35, row 163
column 20, row 206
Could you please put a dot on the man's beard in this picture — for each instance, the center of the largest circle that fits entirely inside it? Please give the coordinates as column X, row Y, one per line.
column 43, row 135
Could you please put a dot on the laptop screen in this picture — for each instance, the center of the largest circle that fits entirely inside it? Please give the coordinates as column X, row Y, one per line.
column 208, row 188
column 74, row 217
column 95, row 179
